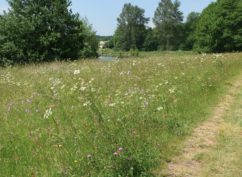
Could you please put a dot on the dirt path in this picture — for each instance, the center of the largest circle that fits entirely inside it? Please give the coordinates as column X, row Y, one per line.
column 202, row 139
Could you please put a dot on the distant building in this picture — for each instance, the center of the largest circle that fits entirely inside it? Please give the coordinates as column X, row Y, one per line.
column 103, row 44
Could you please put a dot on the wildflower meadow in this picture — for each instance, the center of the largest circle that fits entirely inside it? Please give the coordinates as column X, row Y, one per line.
column 93, row 118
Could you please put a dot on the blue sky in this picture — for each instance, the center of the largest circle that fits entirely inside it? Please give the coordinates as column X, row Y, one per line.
column 102, row 14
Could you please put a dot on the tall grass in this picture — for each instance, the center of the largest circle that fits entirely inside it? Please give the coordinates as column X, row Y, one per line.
column 110, row 119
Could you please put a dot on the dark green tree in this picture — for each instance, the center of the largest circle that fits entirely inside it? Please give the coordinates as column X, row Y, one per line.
column 168, row 22
column 220, row 27
column 208, row 30
column 151, row 42
column 130, row 33
column 41, row 30
column 189, row 31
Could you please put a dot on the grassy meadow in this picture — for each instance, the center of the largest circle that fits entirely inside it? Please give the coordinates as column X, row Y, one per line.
column 94, row 118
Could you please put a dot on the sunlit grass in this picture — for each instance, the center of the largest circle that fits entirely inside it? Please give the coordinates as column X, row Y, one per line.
column 94, row 118
column 225, row 160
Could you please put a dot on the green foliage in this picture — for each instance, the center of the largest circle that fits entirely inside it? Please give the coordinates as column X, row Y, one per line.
column 189, row 31
column 130, row 33
column 36, row 31
column 220, row 27
column 151, row 43
column 110, row 44
column 168, row 21
column 134, row 53
column 207, row 30
column 90, row 43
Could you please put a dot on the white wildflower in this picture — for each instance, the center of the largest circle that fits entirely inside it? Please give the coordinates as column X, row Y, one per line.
column 160, row 108
column 112, row 104
column 121, row 73
column 172, row 90
column 48, row 113
column 86, row 103
column 217, row 55
column 74, row 87
column 83, row 88
column 92, row 79
column 76, row 72
column 63, row 86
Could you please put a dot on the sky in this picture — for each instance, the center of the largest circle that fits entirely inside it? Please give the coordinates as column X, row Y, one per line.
column 102, row 14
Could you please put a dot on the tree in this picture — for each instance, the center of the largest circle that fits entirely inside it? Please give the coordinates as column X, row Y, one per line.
column 189, row 31
column 208, row 30
column 168, row 22
column 130, row 33
column 220, row 27
column 90, row 41
column 151, row 43
column 41, row 30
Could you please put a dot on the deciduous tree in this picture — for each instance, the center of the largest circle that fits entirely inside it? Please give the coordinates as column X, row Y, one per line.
column 41, row 30
column 189, row 31
column 168, row 22
column 220, row 27
column 151, row 42
column 130, row 33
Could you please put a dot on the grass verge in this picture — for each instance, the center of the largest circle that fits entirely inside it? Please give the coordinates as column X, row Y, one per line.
column 226, row 159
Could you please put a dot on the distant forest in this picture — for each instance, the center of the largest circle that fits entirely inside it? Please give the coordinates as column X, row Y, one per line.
column 103, row 38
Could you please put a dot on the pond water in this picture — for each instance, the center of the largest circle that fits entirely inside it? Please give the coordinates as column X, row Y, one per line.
column 107, row 58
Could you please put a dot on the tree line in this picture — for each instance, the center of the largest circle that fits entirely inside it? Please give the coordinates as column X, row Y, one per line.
column 47, row 30
column 217, row 29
